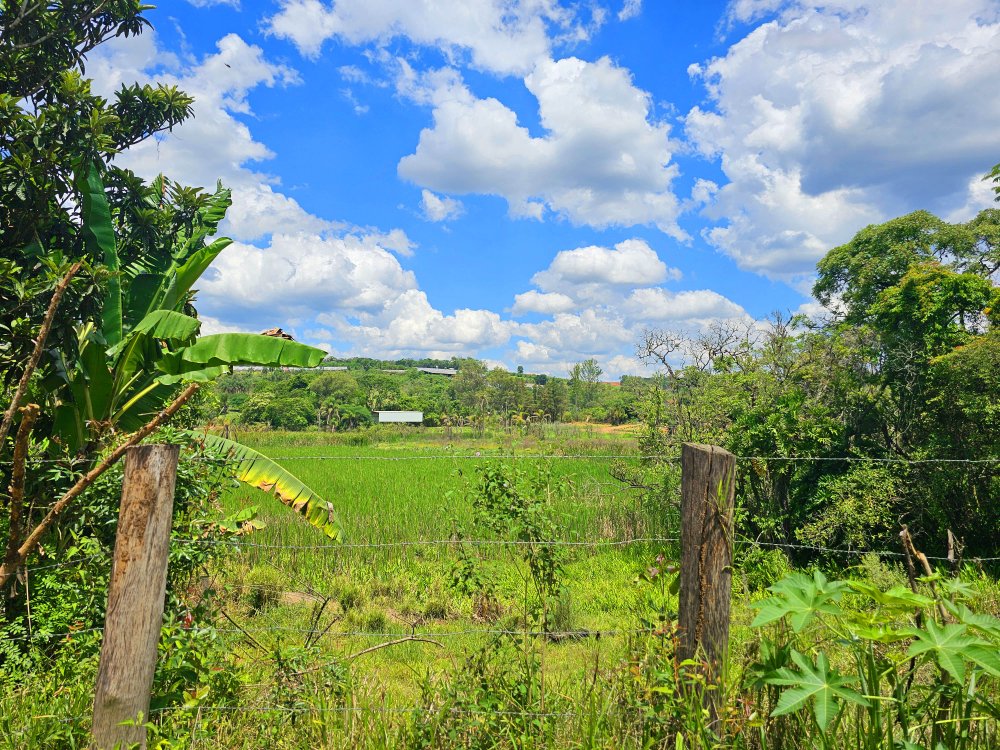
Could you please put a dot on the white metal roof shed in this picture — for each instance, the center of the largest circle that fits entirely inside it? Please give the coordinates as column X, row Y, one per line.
column 400, row 417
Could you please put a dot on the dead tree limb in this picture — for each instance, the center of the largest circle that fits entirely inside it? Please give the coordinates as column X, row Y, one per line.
column 28, row 415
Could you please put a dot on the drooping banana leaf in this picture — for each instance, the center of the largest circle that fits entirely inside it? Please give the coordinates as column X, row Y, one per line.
column 257, row 470
column 239, row 349
column 99, row 234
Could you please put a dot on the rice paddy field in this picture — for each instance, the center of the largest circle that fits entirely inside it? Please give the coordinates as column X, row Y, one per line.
column 508, row 591
column 407, row 504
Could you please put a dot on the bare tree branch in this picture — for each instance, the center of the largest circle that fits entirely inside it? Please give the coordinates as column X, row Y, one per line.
column 28, row 415
column 9, row 568
column 36, row 355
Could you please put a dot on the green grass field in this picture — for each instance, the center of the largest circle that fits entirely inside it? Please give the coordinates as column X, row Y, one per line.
column 414, row 488
column 409, row 635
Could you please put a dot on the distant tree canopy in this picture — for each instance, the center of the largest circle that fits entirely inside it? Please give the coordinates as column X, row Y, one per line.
column 902, row 369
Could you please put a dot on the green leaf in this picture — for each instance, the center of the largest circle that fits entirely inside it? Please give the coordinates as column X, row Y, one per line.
column 204, row 375
column 257, row 470
column 240, row 349
column 984, row 656
column 946, row 644
column 141, row 405
column 819, row 684
column 897, row 598
column 99, row 234
column 879, row 632
column 190, row 271
column 168, row 325
column 984, row 623
column 800, row 598
column 142, row 295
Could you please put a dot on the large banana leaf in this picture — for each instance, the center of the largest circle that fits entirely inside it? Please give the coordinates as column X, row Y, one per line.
column 257, row 470
column 99, row 234
column 191, row 270
column 238, row 349
column 168, row 325
column 90, row 387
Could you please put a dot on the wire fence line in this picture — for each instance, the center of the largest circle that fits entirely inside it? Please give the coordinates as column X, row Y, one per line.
column 434, row 542
column 334, row 548
column 428, row 457
column 239, row 545
column 577, row 634
column 663, row 458
column 378, row 710
column 859, row 552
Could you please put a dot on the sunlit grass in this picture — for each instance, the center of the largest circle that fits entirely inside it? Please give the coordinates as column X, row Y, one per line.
column 414, row 486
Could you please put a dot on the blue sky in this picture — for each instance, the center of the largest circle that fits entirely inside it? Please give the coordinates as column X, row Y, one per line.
column 534, row 182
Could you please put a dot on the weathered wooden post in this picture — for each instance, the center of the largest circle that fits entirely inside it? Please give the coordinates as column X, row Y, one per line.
column 708, row 484
column 135, row 597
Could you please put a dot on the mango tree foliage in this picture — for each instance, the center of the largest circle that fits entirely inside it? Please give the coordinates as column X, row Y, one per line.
column 51, row 125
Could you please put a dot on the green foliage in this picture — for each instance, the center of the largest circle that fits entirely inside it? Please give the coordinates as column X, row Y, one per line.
column 881, row 641
column 857, row 509
column 994, row 175
column 481, row 705
column 800, row 598
column 69, row 576
column 819, row 684
column 515, row 503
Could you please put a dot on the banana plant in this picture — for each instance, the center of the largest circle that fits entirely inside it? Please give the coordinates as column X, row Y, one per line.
column 132, row 362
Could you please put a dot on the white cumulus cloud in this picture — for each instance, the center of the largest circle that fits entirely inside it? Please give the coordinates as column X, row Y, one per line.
column 298, row 274
column 408, row 323
column 439, row 207
column 602, row 161
column 541, row 302
column 837, row 114
column 502, row 36
column 629, row 263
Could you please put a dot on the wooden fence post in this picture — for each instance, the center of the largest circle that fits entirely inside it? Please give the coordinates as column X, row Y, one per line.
column 135, row 597
column 708, row 483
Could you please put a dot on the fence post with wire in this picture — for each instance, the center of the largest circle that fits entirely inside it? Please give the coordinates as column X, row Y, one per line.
column 708, row 482
column 135, row 598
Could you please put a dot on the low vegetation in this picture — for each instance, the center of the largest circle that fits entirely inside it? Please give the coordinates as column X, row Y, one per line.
column 496, row 577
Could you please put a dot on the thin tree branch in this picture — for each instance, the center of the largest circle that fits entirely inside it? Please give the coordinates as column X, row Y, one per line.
column 352, row 657
column 8, row 569
column 36, row 355
column 29, row 414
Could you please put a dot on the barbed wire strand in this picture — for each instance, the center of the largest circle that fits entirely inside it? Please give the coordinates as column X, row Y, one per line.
column 373, row 709
column 580, row 634
column 663, row 458
column 608, row 543
column 849, row 551
column 432, row 542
